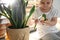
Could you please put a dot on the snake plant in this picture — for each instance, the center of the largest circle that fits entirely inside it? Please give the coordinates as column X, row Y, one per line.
column 17, row 14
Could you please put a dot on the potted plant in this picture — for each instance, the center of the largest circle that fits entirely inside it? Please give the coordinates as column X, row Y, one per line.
column 19, row 30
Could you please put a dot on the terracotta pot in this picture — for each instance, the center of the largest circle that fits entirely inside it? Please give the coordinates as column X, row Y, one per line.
column 18, row 34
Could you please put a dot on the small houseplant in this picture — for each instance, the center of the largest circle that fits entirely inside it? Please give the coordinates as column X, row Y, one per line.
column 19, row 30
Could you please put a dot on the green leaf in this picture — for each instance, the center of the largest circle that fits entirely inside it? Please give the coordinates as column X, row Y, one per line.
column 31, row 12
column 8, row 11
column 1, row 14
column 1, row 9
column 26, row 3
column 35, row 26
column 17, row 16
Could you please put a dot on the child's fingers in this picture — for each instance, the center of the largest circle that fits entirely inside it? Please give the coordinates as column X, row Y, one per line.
column 42, row 22
column 36, row 21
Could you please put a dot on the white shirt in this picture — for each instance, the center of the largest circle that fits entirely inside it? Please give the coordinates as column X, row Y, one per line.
column 43, row 29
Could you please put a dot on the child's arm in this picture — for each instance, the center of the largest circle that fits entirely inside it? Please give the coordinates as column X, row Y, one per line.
column 52, row 22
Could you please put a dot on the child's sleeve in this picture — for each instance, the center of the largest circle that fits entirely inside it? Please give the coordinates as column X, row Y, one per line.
column 56, row 13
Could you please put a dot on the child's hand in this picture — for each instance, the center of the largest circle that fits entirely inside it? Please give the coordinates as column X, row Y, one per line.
column 42, row 22
column 36, row 21
column 47, row 22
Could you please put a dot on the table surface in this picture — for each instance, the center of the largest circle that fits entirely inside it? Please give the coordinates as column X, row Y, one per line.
column 34, row 36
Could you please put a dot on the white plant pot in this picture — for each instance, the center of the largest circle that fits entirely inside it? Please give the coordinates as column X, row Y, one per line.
column 18, row 34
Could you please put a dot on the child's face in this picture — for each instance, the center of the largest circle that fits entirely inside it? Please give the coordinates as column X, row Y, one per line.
column 46, row 4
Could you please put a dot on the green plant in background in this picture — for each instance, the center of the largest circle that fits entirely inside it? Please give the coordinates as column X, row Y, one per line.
column 17, row 14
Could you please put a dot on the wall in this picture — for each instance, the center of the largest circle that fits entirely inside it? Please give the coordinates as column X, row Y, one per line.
column 56, row 3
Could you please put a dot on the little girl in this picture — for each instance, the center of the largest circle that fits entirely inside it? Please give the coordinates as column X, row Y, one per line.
column 47, row 29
